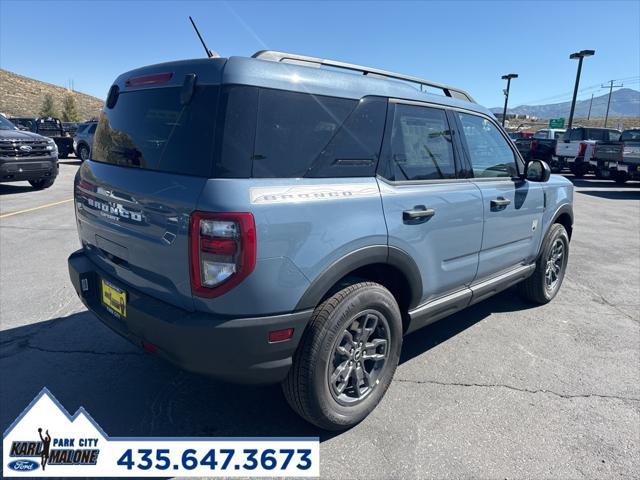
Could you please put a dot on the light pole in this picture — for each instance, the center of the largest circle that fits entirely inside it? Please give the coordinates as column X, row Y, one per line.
column 506, row 94
column 579, row 55
column 610, row 87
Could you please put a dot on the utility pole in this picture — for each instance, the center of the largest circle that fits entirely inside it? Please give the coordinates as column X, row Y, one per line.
column 590, row 103
column 611, row 86
column 506, row 94
column 580, row 56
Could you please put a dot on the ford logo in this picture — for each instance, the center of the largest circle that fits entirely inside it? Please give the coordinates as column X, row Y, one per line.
column 25, row 148
column 23, row 465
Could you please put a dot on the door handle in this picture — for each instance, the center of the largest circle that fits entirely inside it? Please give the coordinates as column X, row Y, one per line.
column 419, row 212
column 500, row 202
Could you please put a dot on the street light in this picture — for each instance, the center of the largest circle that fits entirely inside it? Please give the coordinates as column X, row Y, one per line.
column 579, row 55
column 506, row 94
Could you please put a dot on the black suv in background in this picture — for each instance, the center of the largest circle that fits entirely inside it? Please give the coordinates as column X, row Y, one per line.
column 26, row 156
column 47, row 127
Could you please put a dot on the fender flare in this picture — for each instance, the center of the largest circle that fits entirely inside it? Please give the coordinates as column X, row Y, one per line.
column 562, row 209
column 374, row 254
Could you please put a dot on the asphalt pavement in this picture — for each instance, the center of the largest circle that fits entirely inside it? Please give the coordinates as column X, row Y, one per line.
column 501, row 390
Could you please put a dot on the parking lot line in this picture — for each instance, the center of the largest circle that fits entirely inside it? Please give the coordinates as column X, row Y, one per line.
column 11, row 214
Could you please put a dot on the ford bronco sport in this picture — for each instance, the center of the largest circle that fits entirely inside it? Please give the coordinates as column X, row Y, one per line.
column 285, row 218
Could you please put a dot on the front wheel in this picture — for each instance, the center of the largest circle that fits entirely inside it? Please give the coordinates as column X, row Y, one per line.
column 578, row 171
column 543, row 285
column 347, row 357
column 83, row 152
column 620, row 178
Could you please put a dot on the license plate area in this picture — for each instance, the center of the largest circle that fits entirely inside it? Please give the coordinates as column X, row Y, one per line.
column 114, row 299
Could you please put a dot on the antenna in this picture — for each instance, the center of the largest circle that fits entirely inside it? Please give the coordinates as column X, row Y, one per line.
column 210, row 54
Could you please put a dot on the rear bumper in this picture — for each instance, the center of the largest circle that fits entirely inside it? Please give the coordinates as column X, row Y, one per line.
column 231, row 349
column 27, row 168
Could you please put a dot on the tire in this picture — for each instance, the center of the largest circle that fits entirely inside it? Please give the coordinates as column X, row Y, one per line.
column 620, row 178
column 42, row 183
column 578, row 171
column 326, row 349
column 83, row 152
column 537, row 288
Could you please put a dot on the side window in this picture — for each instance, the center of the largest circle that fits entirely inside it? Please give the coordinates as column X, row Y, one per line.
column 614, row 136
column 292, row 130
column 92, row 128
column 353, row 150
column 576, row 134
column 420, row 145
column 489, row 152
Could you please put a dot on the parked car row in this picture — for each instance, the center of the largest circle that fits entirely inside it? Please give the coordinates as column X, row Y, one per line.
column 47, row 127
column 620, row 159
column 605, row 152
column 576, row 150
column 541, row 146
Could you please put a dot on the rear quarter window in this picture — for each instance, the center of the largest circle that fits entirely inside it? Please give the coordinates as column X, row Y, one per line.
column 265, row 133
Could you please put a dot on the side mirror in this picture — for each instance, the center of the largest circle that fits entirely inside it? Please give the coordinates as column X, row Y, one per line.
column 537, row 171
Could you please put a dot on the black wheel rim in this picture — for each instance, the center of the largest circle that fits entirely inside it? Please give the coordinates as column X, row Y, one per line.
column 555, row 265
column 358, row 358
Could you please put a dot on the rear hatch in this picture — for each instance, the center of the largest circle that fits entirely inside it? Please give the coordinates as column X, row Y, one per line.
column 152, row 154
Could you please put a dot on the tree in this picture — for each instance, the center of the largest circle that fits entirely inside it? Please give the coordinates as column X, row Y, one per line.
column 70, row 109
column 48, row 107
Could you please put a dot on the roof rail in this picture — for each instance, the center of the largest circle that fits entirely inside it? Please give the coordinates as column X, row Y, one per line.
column 294, row 58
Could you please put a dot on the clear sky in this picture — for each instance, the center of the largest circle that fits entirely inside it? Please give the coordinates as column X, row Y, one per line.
column 465, row 44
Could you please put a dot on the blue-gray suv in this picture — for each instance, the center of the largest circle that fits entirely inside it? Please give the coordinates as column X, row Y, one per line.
column 284, row 218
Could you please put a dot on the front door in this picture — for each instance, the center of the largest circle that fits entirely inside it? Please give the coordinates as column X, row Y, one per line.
column 513, row 207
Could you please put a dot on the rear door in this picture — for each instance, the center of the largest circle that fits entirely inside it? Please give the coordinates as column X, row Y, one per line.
column 512, row 207
column 151, row 157
column 431, row 213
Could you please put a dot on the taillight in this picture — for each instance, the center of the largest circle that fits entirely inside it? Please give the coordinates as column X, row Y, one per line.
column 222, row 251
column 582, row 150
column 534, row 145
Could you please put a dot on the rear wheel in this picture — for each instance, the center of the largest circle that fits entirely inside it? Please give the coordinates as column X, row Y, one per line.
column 42, row 183
column 347, row 357
column 543, row 285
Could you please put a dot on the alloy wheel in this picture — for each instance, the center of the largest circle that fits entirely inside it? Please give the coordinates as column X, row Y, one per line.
column 555, row 265
column 359, row 357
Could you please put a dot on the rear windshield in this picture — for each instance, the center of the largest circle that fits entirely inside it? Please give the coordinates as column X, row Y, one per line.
column 153, row 130
column 630, row 136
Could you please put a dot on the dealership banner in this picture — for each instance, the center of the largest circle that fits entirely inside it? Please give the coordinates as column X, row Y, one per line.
column 46, row 441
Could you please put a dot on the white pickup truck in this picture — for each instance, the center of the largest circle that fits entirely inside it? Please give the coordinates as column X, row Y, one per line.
column 577, row 147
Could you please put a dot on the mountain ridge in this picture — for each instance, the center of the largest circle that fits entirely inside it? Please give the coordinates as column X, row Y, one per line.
column 625, row 102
